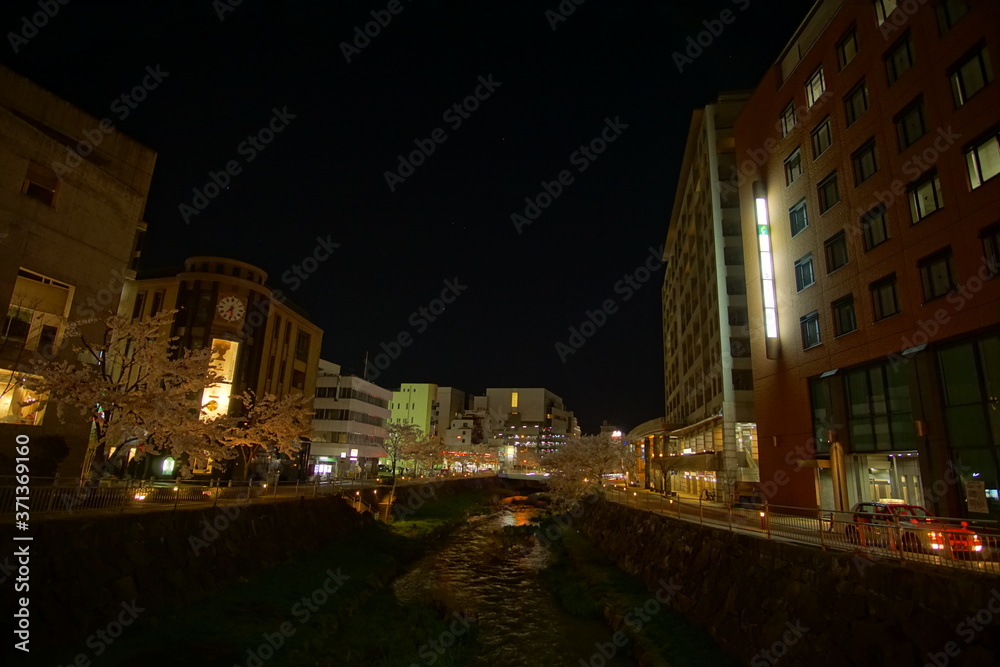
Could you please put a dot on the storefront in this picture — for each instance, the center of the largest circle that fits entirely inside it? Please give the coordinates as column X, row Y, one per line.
column 883, row 477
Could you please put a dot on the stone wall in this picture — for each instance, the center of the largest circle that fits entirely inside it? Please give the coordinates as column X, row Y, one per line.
column 82, row 568
column 767, row 601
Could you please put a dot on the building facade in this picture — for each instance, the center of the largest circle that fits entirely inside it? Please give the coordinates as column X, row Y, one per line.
column 707, row 369
column 267, row 345
column 413, row 403
column 528, row 423
column 867, row 174
column 349, row 425
column 70, row 232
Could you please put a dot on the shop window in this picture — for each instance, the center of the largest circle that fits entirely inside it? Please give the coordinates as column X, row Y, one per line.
column 880, row 416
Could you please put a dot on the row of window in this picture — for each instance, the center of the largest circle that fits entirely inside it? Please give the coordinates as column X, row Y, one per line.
column 937, row 278
column 349, row 415
column 968, row 76
column 348, row 392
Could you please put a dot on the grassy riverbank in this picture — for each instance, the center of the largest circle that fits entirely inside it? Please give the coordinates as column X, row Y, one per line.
column 287, row 616
column 588, row 584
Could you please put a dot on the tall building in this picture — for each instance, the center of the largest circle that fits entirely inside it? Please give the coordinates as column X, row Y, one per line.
column 449, row 405
column 269, row 345
column 349, row 425
column 868, row 163
column 707, row 372
column 70, row 228
column 529, row 422
column 413, row 404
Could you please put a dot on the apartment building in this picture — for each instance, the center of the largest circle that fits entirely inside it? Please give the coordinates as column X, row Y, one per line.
column 707, row 371
column 867, row 164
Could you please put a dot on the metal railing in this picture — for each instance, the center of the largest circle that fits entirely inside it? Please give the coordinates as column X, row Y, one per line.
column 52, row 497
column 940, row 541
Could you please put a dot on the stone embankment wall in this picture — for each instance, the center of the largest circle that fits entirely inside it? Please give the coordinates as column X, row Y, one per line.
column 83, row 568
column 767, row 601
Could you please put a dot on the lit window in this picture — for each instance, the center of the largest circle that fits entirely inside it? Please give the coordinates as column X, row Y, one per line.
column 821, row 138
column 856, row 102
column 864, row 162
column 970, row 76
column 804, row 274
column 793, row 167
column 925, row 197
column 168, row 466
column 847, row 48
column 899, row 59
column 809, row 325
column 513, row 399
column 910, row 124
column 937, row 274
column 829, row 194
column 788, row 119
column 836, row 251
column 983, row 161
column 815, row 87
column 883, row 8
column 874, row 225
column 884, row 299
column 844, row 319
column 797, row 217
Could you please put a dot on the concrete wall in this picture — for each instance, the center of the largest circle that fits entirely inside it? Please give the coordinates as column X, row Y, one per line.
column 751, row 593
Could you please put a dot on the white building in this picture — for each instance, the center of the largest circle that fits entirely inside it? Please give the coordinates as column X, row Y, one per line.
column 708, row 376
column 349, row 424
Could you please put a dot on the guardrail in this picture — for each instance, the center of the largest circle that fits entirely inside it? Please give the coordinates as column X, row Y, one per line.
column 941, row 541
column 55, row 498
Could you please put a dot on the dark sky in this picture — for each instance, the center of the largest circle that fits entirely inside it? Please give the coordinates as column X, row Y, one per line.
column 324, row 174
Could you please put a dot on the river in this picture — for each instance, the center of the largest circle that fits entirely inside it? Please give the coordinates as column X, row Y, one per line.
column 520, row 621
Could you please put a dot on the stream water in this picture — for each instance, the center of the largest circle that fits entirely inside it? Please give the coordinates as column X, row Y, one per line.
column 520, row 621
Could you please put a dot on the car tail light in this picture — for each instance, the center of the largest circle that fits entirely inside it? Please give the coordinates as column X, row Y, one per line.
column 937, row 540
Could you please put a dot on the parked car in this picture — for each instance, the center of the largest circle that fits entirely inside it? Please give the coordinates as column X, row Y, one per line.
column 919, row 531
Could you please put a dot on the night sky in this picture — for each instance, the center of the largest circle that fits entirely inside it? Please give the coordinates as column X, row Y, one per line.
column 323, row 175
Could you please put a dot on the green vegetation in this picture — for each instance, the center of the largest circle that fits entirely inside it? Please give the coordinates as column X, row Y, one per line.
column 361, row 623
column 585, row 581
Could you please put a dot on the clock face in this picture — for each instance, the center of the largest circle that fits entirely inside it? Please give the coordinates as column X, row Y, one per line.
column 231, row 309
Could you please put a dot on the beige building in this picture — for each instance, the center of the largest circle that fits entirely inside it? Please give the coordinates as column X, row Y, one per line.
column 707, row 369
column 70, row 229
column 226, row 304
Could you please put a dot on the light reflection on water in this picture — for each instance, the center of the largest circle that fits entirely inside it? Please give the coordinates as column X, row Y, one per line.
column 520, row 623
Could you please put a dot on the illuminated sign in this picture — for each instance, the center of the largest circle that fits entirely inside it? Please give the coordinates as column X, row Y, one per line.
column 766, row 262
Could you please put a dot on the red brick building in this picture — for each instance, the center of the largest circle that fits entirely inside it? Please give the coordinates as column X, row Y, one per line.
column 867, row 164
